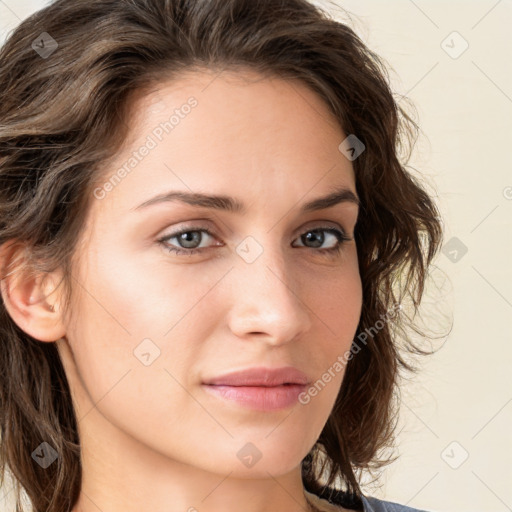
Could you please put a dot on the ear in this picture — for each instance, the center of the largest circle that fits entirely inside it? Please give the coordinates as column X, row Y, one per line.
column 28, row 298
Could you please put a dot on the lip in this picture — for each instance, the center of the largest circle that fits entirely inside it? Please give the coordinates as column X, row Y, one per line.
column 260, row 398
column 261, row 376
column 260, row 388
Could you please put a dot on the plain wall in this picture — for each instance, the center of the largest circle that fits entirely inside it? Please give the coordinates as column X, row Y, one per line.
column 455, row 445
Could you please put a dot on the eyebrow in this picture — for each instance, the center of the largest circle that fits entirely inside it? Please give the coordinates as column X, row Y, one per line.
column 233, row 205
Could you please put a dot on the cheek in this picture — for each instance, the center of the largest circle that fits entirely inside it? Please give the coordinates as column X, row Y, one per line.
column 132, row 343
column 134, row 316
column 335, row 302
column 137, row 294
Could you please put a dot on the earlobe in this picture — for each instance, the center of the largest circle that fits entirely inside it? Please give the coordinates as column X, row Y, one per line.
column 29, row 299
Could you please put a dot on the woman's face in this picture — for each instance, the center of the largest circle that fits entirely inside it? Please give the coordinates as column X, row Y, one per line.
column 149, row 325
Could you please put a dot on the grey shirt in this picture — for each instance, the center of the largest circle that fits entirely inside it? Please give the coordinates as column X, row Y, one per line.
column 338, row 500
column 376, row 505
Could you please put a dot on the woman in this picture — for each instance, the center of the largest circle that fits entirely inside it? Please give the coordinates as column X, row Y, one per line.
column 205, row 226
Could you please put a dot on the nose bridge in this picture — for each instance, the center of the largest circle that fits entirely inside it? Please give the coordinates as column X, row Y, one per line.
column 265, row 299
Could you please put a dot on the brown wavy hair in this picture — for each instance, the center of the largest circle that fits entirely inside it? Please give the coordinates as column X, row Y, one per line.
column 63, row 115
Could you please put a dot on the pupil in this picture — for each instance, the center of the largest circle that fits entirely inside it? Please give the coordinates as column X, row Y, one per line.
column 319, row 238
column 185, row 237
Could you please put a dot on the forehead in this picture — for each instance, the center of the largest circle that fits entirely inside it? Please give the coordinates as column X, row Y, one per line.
column 235, row 98
column 230, row 132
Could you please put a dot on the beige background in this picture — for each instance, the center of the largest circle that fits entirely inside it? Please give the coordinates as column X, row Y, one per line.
column 455, row 445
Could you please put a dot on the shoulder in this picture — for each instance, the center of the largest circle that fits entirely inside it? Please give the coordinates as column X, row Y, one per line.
column 376, row 505
column 332, row 500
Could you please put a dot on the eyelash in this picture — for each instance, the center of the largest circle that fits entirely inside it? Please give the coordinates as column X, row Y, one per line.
column 340, row 235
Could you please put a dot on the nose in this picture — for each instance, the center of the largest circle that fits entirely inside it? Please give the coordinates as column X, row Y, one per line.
column 267, row 301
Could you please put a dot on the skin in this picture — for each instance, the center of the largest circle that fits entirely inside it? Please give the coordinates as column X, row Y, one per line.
column 151, row 437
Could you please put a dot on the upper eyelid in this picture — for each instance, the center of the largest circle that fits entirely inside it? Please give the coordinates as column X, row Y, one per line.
column 212, row 232
column 198, row 225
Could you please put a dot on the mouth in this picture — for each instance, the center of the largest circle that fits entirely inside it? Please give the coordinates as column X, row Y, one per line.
column 261, row 376
column 260, row 397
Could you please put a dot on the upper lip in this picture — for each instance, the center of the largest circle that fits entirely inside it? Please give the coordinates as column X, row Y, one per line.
column 261, row 376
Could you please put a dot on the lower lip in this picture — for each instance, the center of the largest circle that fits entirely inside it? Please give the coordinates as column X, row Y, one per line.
column 259, row 397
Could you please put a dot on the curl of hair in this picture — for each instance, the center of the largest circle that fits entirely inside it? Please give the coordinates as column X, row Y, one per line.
column 63, row 117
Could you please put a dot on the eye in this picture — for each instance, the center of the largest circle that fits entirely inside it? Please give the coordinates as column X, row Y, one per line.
column 318, row 238
column 184, row 237
column 190, row 239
